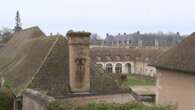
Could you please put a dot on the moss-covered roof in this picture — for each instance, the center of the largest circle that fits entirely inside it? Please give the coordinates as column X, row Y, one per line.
column 180, row 58
column 23, row 55
column 32, row 60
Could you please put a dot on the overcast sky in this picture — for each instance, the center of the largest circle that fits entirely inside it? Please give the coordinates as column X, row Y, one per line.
column 102, row 16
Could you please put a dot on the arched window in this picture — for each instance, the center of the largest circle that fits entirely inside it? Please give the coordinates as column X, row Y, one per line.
column 109, row 68
column 118, row 68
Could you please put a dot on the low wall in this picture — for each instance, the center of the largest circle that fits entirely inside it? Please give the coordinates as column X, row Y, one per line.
column 34, row 100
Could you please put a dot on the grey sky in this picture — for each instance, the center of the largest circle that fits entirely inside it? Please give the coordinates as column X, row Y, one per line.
column 102, row 16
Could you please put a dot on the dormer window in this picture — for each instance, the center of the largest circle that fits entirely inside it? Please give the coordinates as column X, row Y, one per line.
column 108, row 58
column 127, row 57
column 147, row 59
column 98, row 58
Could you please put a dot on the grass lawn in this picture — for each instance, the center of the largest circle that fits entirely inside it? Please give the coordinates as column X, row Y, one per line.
column 139, row 80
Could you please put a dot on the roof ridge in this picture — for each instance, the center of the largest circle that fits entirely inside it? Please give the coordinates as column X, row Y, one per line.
column 42, row 63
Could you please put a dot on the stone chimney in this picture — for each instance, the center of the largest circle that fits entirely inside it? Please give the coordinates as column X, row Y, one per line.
column 79, row 61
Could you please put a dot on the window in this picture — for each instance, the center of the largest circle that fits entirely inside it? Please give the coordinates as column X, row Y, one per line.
column 118, row 68
column 120, row 42
column 109, row 68
column 115, row 43
column 108, row 58
column 129, row 41
column 127, row 57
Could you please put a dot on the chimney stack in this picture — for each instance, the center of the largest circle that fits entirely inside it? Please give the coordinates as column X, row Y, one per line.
column 79, row 61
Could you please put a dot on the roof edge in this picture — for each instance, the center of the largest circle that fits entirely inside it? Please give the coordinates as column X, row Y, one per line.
column 173, row 69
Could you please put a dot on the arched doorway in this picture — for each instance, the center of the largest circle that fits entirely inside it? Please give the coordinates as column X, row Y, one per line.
column 109, row 68
column 128, row 68
column 118, row 68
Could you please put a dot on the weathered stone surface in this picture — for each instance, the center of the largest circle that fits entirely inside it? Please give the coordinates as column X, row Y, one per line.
column 34, row 100
column 79, row 61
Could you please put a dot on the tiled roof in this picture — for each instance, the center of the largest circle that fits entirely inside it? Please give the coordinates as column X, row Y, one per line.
column 181, row 57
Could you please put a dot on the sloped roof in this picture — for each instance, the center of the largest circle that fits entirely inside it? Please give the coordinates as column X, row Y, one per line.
column 125, row 54
column 23, row 55
column 41, row 63
column 181, row 57
column 52, row 77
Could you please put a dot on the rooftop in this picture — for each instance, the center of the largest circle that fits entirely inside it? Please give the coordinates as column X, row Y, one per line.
column 179, row 58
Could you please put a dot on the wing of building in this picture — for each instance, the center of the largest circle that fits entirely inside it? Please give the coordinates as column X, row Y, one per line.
column 176, row 69
column 126, row 60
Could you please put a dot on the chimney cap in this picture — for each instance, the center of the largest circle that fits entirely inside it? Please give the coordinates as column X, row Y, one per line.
column 78, row 34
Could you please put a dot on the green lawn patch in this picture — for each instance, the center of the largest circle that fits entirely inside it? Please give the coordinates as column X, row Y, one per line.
column 139, row 80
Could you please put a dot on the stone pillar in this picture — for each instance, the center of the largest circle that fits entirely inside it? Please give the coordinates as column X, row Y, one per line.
column 79, row 61
column 124, row 71
column 113, row 67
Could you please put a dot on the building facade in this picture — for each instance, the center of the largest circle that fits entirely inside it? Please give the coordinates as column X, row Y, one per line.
column 139, row 40
column 125, row 61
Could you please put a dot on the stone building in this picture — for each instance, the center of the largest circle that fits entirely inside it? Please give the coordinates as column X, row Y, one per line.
column 176, row 75
column 40, row 69
column 139, row 40
column 126, row 60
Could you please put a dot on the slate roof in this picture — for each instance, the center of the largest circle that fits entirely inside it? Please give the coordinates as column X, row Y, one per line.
column 180, row 58
column 147, row 39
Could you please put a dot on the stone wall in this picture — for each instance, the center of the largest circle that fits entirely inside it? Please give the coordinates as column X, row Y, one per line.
column 176, row 88
column 34, row 100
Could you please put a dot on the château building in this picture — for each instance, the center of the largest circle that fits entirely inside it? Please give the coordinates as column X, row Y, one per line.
column 139, row 40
